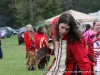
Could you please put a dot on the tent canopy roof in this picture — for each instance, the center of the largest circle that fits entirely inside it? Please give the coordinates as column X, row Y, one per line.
column 81, row 17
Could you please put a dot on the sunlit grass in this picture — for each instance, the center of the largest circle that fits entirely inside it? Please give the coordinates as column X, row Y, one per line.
column 13, row 62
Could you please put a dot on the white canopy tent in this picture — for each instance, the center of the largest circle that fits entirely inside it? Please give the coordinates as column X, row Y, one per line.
column 81, row 17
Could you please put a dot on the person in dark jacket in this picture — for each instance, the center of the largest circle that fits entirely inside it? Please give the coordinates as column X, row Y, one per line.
column 1, row 54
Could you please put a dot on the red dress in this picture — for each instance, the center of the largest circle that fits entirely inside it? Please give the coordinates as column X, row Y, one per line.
column 41, row 40
column 28, row 41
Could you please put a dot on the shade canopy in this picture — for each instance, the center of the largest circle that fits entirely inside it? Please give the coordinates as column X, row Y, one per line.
column 79, row 16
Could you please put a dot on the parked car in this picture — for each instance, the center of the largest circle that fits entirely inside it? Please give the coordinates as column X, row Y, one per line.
column 5, row 33
column 10, row 29
column 21, row 35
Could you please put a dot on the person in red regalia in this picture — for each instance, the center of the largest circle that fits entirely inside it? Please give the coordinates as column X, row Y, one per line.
column 69, row 49
column 41, row 38
column 30, row 47
column 41, row 41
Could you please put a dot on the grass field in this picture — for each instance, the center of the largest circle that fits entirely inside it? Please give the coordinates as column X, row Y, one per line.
column 13, row 62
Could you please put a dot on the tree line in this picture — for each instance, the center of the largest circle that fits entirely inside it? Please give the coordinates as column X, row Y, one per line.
column 18, row 13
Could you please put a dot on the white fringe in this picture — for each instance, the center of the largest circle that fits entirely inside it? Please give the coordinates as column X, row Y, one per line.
column 59, row 65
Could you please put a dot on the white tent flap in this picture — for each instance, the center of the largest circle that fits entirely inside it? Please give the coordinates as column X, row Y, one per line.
column 77, row 15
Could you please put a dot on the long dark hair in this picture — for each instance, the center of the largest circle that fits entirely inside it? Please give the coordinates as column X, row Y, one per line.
column 73, row 33
column 39, row 29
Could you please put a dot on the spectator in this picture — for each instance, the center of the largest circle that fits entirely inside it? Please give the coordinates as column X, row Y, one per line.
column 34, row 29
column 1, row 54
column 88, row 27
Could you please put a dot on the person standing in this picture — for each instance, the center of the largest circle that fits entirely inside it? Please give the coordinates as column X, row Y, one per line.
column 88, row 27
column 30, row 47
column 1, row 54
column 96, row 47
column 41, row 41
column 41, row 38
column 69, row 49
column 90, row 37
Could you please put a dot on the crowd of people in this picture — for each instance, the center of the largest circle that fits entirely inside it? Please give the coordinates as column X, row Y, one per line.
column 75, row 53
column 34, row 41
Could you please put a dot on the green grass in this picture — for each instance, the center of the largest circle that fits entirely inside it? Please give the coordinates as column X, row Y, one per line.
column 13, row 62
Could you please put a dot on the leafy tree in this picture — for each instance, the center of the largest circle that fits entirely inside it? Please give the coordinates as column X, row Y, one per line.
column 7, row 12
column 3, row 21
column 33, row 11
column 52, row 8
column 95, row 5
column 17, row 13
